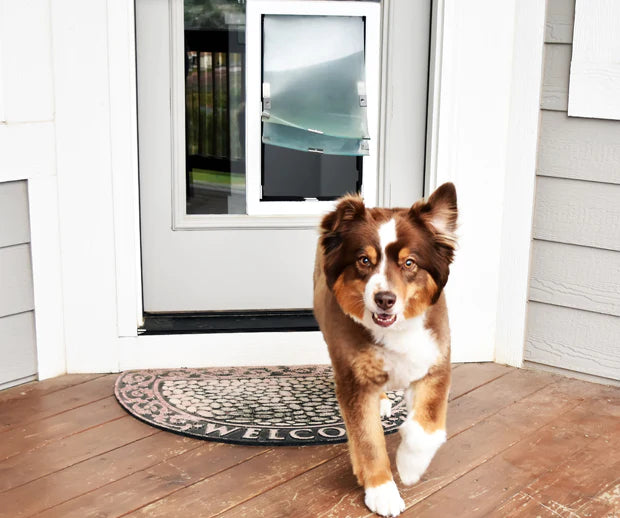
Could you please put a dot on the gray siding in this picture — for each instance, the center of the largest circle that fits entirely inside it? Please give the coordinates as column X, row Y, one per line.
column 17, row 332
column 574, row 308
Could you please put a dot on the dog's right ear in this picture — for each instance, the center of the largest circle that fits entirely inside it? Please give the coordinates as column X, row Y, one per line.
column 349, row 209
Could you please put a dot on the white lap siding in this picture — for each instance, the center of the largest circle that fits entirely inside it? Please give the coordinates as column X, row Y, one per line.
column 17, row 332
column 574, row 309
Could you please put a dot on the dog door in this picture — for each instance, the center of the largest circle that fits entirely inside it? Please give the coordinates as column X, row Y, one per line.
column 316, row 78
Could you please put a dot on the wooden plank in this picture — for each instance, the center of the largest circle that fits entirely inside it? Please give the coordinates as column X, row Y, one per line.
column 573, row 339
column 166, row 478
column 582, row 149
column 16, row 294
column 575, row 276
column 606, row 503
column 486, row 487
column 22, row 411
column 336, row 480
column 559, row 21
column 36, row 389
column 149, row 484
column 83, row 477
column 466, row 411
column 14, row 221
column 556, row 71
column 470, row 376
column 581, row 213
column 25, row 467
column 335, row 493
column 17, row 349
column 39, row 433
column 217, row 493
column 572, row 484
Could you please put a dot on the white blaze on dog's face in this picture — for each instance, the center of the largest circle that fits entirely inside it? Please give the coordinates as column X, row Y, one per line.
column 386, row 266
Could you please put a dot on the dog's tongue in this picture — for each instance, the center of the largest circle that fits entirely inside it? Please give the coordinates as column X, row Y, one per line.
column 383, row 319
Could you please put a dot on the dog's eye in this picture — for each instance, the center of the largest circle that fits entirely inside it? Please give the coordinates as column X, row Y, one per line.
column 409, row 263
column 364, row 261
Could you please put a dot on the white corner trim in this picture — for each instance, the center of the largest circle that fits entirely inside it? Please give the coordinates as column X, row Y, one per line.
column 482, row 131
column 520, row 182
column 124, row 156
column 47, row 276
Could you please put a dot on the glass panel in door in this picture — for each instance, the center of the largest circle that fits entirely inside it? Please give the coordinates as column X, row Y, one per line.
column 214, row 35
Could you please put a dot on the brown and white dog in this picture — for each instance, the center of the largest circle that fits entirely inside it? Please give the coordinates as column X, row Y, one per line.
column 379, row 301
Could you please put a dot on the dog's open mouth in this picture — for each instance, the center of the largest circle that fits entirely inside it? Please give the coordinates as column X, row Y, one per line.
column 383, row 319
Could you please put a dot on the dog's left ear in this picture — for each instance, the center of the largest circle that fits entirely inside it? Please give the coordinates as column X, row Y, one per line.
column 439, row 212
column 349, row 209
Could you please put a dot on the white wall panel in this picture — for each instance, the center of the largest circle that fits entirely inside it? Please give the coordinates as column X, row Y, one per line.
column 595, row 67
column 27, row 60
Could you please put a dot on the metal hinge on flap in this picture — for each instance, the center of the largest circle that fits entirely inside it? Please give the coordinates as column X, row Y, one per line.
column 266, row 98
column 361, row 93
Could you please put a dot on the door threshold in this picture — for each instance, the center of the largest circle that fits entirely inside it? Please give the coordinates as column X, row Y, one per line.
column 229, row 322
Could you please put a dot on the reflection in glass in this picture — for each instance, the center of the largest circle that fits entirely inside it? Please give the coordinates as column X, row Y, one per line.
column 314, row 83
column 215, row 106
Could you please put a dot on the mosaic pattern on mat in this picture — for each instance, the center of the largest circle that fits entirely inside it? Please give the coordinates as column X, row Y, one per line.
column 244, row 405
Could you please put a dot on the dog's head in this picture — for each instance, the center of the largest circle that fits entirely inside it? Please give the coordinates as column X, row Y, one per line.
column 385, row 266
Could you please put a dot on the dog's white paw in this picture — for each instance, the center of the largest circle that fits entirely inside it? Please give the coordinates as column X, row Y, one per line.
column 384, row 499
column 385, row 407
column 416, row 451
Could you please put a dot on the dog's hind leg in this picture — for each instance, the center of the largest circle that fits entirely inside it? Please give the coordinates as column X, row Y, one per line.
column 424, row 431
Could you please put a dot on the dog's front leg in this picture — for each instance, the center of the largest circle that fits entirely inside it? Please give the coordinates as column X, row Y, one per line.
column 424, row 431
column 371, row 465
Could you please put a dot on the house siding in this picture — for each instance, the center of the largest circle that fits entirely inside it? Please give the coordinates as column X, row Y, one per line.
column 574, row 296
column 17, row 331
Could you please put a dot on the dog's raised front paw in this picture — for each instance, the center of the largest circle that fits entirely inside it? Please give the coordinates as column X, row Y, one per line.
column 385, row 407
column 384, row 499
column 416, row 451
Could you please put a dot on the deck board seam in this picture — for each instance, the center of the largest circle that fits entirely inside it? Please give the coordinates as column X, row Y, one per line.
column 501, row 452
column 481, row 385
column 193, row 483
column 52, row 391
column 47, row 442
column 24, row 423
column 156, row 431
column 118, row 479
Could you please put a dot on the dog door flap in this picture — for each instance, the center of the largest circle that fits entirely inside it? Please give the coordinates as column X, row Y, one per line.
column 314, row 95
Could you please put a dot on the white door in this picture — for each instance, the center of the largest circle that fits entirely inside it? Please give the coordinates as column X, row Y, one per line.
column 236, row 166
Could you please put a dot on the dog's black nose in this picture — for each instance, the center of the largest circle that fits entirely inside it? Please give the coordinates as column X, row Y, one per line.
column 385, row 299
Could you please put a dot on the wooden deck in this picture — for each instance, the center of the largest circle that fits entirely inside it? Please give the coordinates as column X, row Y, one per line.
column 521, row 443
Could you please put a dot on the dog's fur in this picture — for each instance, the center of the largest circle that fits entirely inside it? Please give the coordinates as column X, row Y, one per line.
column 379, row 301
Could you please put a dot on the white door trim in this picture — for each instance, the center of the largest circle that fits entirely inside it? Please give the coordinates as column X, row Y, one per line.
column 512, row 101
column 487, row 93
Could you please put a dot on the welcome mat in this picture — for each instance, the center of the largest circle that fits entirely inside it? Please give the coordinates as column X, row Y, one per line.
column 244, row 405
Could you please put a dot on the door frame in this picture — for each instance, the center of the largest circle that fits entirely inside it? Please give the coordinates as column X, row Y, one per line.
column 511, row 108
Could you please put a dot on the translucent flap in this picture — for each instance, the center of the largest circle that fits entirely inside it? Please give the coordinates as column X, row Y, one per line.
column 295, row 138
column 313, row 74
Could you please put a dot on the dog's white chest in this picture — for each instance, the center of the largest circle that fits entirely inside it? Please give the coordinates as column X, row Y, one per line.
column 408, row 354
